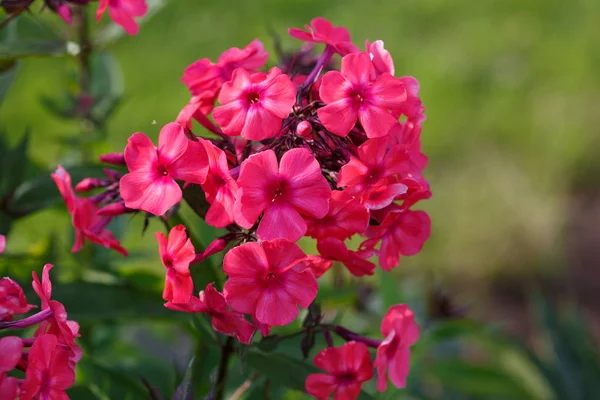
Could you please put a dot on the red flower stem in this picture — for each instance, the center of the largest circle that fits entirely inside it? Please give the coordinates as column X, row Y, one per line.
column 312, row 77
column 327, row 335
column 348, row 335
column 29, row 321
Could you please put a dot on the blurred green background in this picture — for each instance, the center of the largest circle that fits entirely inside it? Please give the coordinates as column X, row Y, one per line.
column 511, row 90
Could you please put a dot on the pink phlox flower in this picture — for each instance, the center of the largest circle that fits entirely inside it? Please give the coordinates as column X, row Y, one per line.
column 123, row 12
column 254, row 106
column 205, row 78
column 11, row 348
column 49, row 372
column 176, row 253
column 346, row 367
column 220, row 188
column 321, row 30
column 346, row 216
column 84, row 216
column 262, row 281
column 351, row 95
column 336, row 250
column 412, row 108
column 380, row 58
column 12, row 300
column 58, row 325
column 402, row 232
column 197, row 108
column 287, row 193
column 374, row 176
column 150, row 184
column 9, row 387
column 393, row 355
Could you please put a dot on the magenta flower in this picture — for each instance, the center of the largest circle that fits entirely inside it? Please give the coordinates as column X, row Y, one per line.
column 176, row 254
column 10, row 352
column 380, row 58
column 254, row 106
column 401, row 232
column 346, row 367
column 346, row 216
column 335, row 250
column 122, row 12
column 322, row 31
column 220, row 188
column 85, row 219
column 352, row 95
column 2, row 243
column 150, row 184
column 288, row 193
column 12, row 300
column 262, row 281
column 393, row 355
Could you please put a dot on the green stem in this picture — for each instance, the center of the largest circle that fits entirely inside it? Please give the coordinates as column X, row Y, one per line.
column 226, row 352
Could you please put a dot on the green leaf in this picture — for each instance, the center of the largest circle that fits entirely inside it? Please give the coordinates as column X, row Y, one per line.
column 41, row 192
column 205, row 360
column 8, row 72
column 184, row 390
column 116, row 383
column 14, row 165
column 29, row 48
column 106, row 84
column 282, row 369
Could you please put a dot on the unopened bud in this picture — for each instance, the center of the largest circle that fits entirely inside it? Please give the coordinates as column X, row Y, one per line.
column 112, row 210
column 304, row 129
column 113, row 174
column 113, row 158
column 216, row 246
column 88, row 184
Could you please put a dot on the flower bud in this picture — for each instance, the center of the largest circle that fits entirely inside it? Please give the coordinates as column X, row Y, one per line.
column 304, row 129
column 113, row 210
column 88, row 184
column 113, row 158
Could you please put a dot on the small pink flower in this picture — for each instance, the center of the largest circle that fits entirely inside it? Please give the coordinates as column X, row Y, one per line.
column 12, row 300
column 262, row 281
column 49, row 372
column 374, row 176
column 226, row 321
column 346, row 216
column 393, row 355
column 220, row 188
column 205, row 78
column 401, row 232
column 351, row 95
column 288, row 193
column 150, row 184
column 88, row 224
column 347, row 367
column 122, row 12
column 176, row 254
column 380, row 58
column 335, row 250
column 322, row 31
column 254, row 106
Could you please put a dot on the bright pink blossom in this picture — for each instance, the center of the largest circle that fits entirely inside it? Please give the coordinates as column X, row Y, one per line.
column 9, row 387
column 85, row 219
column 49, row 372
column 220, row 188
column 205, row 78
column 176, row 254
column 351, row 95
column 254, row 106
column 262, row 281
column 11, row 348
column 150, row 184
column 287, row 194
column 401, row 232
column 346, row 216
column 2, row 243
column 393, row 355
column 57, row 325
column 334, row 249
column 380, row 58
column 374, row 176
column 347, row 367
column 12, row 300
column 226, row 321
column 122, row 12
column 321, row 30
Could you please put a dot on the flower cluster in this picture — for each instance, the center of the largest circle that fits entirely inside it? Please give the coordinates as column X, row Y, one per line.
column 296, row 150
column 122, row 12
column 49, row 364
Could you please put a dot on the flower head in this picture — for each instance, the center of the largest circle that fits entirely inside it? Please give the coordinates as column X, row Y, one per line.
column 254, row 106
column 262, row 281
column 150, row 184
column 176, row 254
column 351, row 95
column 347, row 367
column 321, row 30
column 12, row 300
column 122, row 12
column 393, row 355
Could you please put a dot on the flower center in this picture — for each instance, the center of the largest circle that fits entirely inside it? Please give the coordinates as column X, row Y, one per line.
column 358, row 97
column 270, row 276
column 252, row 97
column 162, row 171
